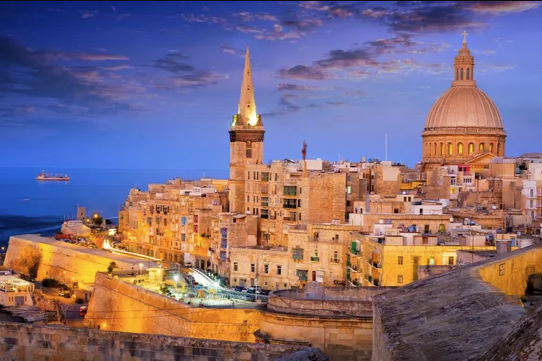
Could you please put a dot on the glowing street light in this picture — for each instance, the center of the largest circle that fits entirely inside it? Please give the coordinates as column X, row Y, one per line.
column 176, row 278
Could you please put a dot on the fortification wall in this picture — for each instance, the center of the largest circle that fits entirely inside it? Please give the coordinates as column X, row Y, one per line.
column 62, row 263
column 119, row 306
column 53, row 343
column 510, row 273
column 346, row 338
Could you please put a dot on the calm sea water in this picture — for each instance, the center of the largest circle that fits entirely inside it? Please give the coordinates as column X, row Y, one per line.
column 29, row 206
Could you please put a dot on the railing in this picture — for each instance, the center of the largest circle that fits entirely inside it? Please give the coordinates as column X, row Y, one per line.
column 315, row 259
column 355, row 251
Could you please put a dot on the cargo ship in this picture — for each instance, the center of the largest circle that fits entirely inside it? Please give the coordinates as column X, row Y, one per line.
column 52, row 177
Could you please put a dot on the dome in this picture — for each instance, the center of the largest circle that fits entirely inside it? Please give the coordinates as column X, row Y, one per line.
column 464, row 106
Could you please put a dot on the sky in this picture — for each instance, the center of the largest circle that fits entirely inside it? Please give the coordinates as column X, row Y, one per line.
column 154, row 85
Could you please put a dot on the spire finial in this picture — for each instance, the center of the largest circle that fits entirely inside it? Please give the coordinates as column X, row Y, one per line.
column 464, row 33
column 247, row 103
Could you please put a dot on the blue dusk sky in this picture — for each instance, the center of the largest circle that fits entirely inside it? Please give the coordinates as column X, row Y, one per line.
column 154, row 85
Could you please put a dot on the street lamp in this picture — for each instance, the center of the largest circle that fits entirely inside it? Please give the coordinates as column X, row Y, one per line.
column 176, row 278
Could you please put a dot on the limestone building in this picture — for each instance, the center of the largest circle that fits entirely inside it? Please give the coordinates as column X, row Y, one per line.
column 464, row 126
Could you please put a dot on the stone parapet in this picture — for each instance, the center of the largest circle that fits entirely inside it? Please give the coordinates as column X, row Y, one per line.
column 28, row 342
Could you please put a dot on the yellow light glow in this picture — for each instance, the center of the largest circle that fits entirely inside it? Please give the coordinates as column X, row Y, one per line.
column 253, row 120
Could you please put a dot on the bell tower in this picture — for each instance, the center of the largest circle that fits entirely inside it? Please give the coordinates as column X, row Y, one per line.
column 246, row 140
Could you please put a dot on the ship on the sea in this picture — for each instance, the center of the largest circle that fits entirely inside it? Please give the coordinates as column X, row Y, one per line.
column 52, row 177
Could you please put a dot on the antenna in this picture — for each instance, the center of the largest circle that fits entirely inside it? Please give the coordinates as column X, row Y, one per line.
column 386, row 146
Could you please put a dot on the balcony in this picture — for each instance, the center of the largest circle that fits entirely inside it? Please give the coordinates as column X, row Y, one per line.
column 355, row 252
column 315, row 259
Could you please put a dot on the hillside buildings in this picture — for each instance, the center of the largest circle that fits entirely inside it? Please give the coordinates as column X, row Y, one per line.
column 288, row 222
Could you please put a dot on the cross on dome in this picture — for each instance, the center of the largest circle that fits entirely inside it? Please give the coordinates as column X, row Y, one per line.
column 464, row 33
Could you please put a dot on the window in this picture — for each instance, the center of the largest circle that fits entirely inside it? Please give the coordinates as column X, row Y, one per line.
column 290, row 203
column 481, row 147
column 491, row 147
column 450, row 261
column 248, row 198
column 468, row 73
column 335, row 257
column 396, row 210
column 266, row 269
column 265, row 177
column 431, row 261
column 265, row 214
column 471, row 148
column 235, row 266
column 337, row 237
column 460, row 148
column 252, row 268
column 265, row 201
column 400, row 279
column 290, row 190
column 450, row 149
column 276, row 177
column 248, row 175
column 299, row 202
column 349, row 189
column 400, row 260
column 302, row 275
column 441, row 148
column 249, row 149
column 461, row 74
column 297, row 253
column 279, row 270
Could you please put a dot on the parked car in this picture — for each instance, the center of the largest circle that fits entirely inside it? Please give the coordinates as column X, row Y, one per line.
column 240, row 289
column 256, row 290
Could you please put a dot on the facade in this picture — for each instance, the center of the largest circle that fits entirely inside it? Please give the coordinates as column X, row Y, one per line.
column 15, row 292
column 464, row 124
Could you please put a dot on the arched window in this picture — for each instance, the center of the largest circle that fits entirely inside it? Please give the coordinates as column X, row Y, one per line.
column 471, row 148
column 460, row 148
column 450, row 149
column 461, row 73
column 499, row 148
column 442, row 149
column 468, row 73
column 457, row 74
column 249, row 149
column 482, row 147
column 435, row 149
column 491, row 147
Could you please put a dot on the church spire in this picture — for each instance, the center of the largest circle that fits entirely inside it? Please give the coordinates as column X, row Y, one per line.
column 464, row 66
column 247, row 104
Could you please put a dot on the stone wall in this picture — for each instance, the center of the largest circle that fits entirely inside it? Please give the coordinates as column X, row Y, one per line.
column 53, row 343
column 428, row 271
column 346, row 338
column 119, row 306
column 357, row 302
column 509, row 274
column 63, row 262
column 327, row 198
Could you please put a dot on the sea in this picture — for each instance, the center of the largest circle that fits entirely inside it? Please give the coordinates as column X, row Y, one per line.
column 31, row 206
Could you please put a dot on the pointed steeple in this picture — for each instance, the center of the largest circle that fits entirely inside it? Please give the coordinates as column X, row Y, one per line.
column 247, row 115
column 464, row 66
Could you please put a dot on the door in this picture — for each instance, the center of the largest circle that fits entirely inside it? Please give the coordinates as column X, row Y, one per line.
column 19, row 300
column 314, row 275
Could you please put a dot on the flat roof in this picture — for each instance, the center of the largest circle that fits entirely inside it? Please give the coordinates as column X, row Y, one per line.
column 91, row 251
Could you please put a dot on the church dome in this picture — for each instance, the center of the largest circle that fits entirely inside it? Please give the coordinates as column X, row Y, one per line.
column 464, row 106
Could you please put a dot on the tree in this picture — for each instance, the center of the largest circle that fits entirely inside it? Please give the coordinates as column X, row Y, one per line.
column 111, row 267
column 30, row 258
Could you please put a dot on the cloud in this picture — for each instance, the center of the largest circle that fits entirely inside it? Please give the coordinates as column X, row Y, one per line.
column 85, row 14
column 186, row 75
column 123, row 16
column 288, row 106
column 277, row 33
column 495, row 68
column 303, row 25
column 503, row 7
column 302, row 72
column 248, row 17
column 229, row 50
column 194, row 80
column 34, row 74
column 171, row 62
column 355, row 93
column 297, row 87
column 483, row 52
column 56, row 55
column 363, row 60
column 202, row 18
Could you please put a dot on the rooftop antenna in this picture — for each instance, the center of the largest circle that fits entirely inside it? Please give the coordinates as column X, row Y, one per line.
column 386, row 146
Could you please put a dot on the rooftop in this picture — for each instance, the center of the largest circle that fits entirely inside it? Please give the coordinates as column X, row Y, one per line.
column 458, row 315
